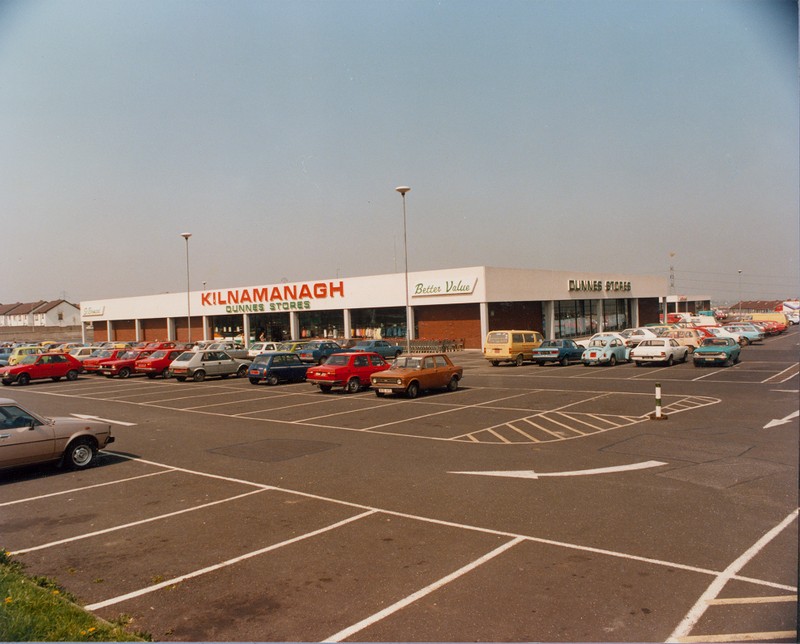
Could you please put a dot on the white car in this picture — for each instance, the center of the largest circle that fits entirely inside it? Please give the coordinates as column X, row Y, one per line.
column 261, row 347
column 721, row 332
column 662, row 350
column 638, row 334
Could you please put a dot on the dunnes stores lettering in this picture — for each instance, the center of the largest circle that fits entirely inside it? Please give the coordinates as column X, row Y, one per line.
column 598, row 285
column 286, row 297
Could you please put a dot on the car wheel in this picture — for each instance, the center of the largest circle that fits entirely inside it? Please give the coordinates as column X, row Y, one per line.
column 494, row 363
column 670, row 361
column 728, row 363
column 325, row 389
column 737, row 359
column 23, row 379
column 199, row 375
column 564, row 361
column 453, row 384
column 518, row 362
column 353, row 385
column 612, row 361
column 242, row 371
column 80, row 453
column 745, row 341
column 165, row 373
column 413, row 390
column 124, row 372
column 253, row 381
column 272, row 379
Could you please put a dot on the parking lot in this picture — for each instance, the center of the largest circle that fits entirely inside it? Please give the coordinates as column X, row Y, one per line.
column 532, row 504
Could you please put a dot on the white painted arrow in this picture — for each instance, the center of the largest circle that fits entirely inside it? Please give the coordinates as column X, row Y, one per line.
column 104, row 420
column 782, row 421
column 530, row 474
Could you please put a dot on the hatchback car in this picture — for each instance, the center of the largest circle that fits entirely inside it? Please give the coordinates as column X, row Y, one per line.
column 349, row 371
column 27, row 438
column 197, row 365
column 277, row 366
column 18, row 353
column 559, row 351
column 37, row 366
column 414, row 373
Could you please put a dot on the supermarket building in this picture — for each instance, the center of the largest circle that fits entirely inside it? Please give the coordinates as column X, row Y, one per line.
column 461, row 304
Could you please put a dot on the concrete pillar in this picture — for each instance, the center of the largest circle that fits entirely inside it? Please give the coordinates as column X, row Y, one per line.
column 549, row 319
column 347, row 325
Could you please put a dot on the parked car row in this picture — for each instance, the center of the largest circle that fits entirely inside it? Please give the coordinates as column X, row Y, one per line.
column 657, row 344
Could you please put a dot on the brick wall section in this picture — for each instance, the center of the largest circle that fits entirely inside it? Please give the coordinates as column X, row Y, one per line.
column 450, row 322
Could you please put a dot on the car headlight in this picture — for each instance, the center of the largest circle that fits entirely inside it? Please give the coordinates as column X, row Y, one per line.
column 399, row 381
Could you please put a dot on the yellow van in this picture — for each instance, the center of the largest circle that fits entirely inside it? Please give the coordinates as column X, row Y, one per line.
column 511, row 346
column 780, row 318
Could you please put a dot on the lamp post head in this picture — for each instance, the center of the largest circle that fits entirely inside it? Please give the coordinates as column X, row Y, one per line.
column 402, row 190
column 186, row 236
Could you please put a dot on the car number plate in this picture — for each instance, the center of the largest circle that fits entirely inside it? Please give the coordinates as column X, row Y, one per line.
column 385, row 391
column 592, row 355
column 179, row 371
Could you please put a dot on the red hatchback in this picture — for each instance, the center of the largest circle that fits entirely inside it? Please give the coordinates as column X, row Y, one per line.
column 350, row 371
column 91, row 365
column 42, row 365
column 157, row 363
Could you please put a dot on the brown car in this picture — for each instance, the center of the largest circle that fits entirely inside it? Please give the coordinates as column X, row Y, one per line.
column 416, row 372
column 27, row 438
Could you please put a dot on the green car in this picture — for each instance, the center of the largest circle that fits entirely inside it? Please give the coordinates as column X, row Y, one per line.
column 717, row 351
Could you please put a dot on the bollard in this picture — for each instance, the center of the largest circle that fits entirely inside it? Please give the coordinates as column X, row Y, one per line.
column 657, row 415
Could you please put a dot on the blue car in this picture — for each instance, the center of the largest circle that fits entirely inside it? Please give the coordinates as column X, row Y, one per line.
column 277, row 366
column 717, row 351
column 560, row 351
column 605, row 350
column 381, row 347
column 748, row 332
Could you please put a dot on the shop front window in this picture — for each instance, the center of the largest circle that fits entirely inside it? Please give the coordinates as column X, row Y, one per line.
column 575, row 318
column 270, row 327
column 378, row 323
column 616, row 314
column 321, row 324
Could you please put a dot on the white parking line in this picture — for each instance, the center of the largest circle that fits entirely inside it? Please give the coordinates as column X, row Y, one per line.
column 697, row 611
column 407, row 601
column 88, row 487
column 224, row 564
column 132, row 524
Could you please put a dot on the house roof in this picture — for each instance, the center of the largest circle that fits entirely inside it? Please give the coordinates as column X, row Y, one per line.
column 6, row 309
column 49, row 306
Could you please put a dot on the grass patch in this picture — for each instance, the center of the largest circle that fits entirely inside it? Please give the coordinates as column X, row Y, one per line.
column 36, row 609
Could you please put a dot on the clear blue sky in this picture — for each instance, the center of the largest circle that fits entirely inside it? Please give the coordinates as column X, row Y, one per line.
column 600, row 135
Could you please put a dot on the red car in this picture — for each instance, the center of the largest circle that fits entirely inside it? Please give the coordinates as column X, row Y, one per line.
column 157, row 346
column 91, row 365
column 41, row 365
column 157, row 363
column 350, row 371
column 124, row 365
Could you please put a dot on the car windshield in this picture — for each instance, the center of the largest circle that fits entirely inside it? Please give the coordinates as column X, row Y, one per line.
column 407, row 362
column 337, row 360
column 716, row 342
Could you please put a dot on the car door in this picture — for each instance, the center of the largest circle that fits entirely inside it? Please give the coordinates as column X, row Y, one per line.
column 24, row 438
column 212, row 363
column 361, row 367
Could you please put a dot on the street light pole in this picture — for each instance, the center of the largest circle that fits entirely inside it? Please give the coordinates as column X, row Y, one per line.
column 403, row 190
column 188, row 290
column 740, row 294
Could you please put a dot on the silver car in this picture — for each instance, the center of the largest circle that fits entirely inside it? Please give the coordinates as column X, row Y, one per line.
column 27, row 438
column 197, row 365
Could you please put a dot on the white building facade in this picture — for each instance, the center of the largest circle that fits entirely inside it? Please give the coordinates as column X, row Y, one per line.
column 461, row 304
